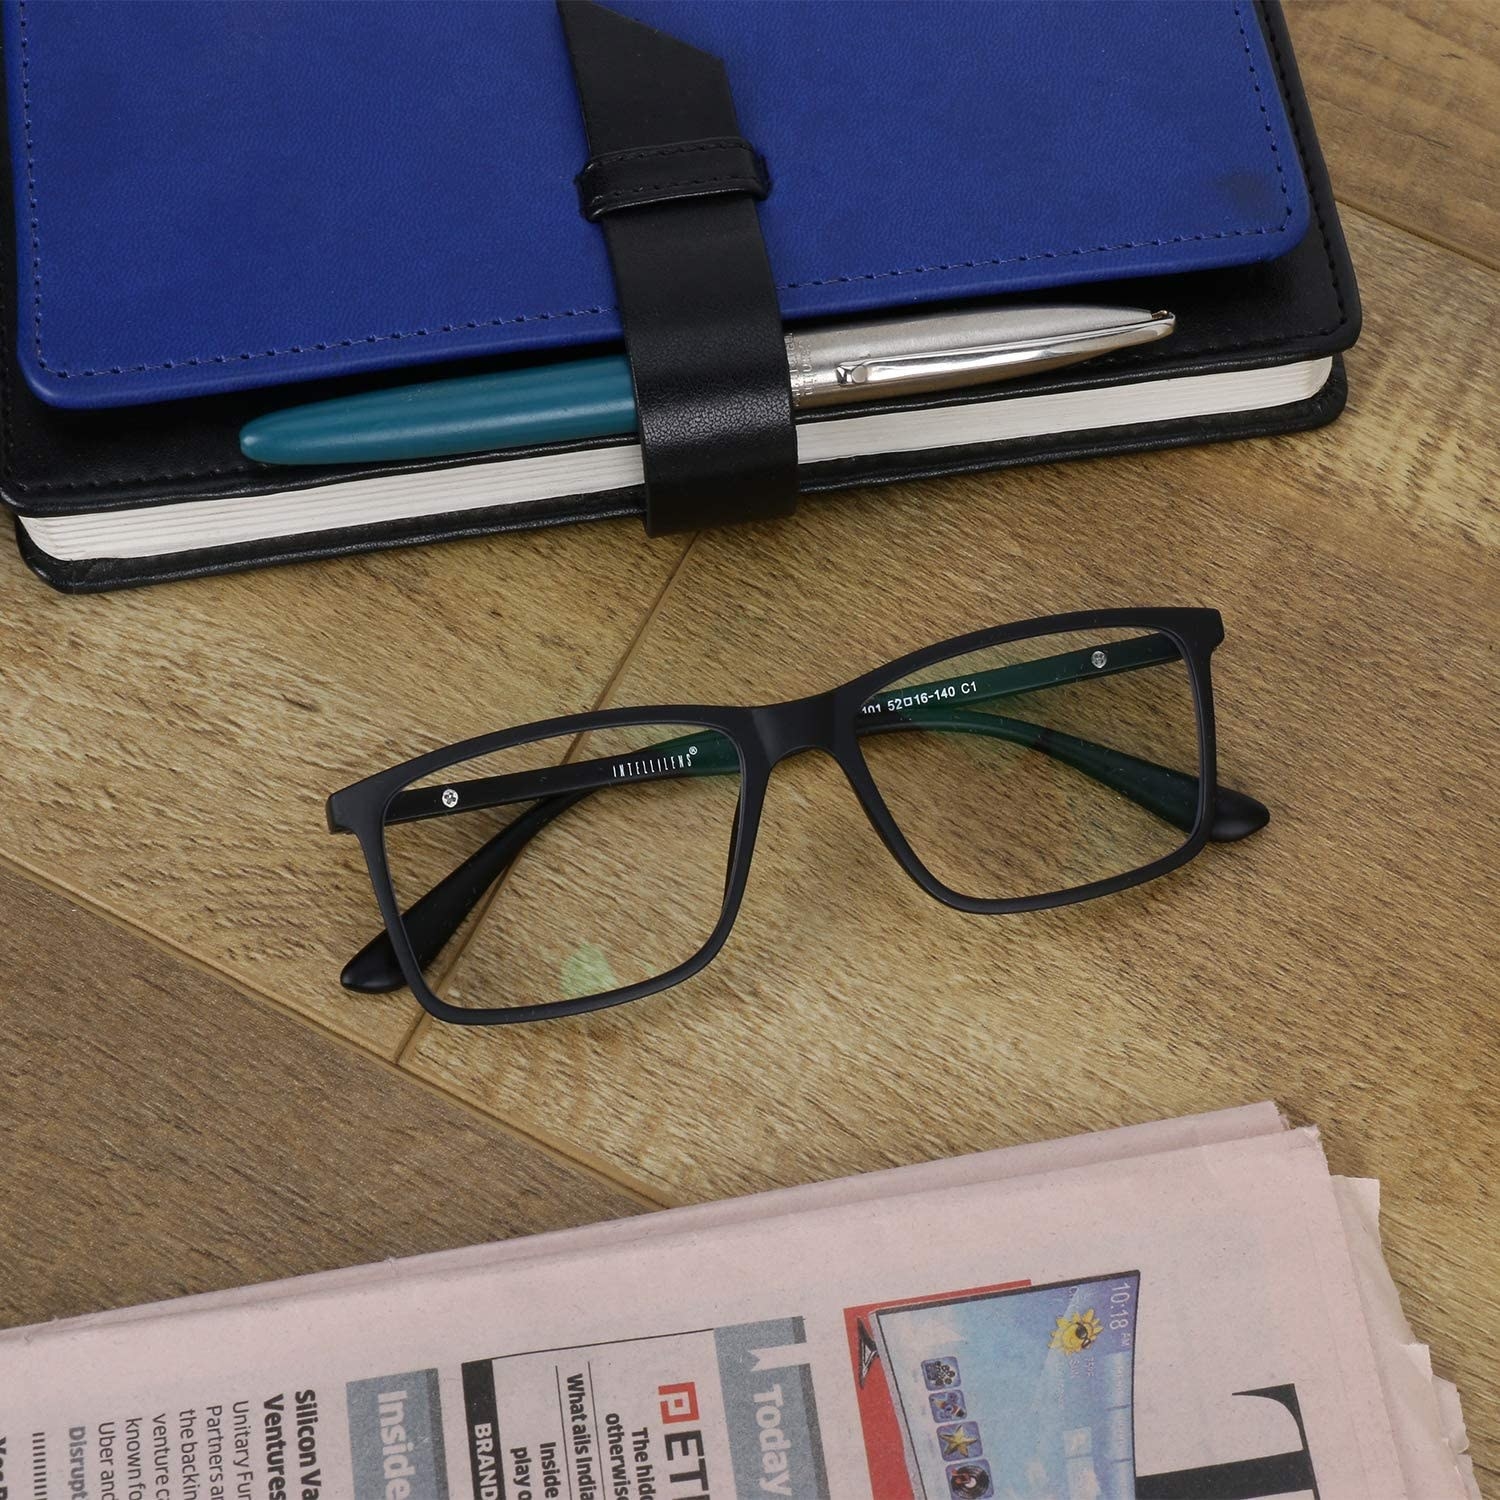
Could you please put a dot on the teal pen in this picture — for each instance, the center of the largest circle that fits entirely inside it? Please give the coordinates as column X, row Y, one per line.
column 582, row 398
column 593, row 398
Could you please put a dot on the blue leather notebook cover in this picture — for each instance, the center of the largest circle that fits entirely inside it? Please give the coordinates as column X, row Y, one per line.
column 212, row 196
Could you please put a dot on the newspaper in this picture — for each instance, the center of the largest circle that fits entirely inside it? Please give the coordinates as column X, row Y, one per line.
column 1193, row 1308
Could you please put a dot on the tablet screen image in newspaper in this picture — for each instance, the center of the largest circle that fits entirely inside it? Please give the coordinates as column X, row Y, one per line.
column 1021, row 1391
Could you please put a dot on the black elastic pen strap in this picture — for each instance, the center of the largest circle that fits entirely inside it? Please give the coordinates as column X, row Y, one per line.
column 674, row 186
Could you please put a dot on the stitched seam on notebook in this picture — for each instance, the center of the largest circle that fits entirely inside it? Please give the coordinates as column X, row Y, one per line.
column 1265, row 117
column 1313, row 196
column 322, row 346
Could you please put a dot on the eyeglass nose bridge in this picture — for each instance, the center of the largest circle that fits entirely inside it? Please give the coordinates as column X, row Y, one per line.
column 787, row 729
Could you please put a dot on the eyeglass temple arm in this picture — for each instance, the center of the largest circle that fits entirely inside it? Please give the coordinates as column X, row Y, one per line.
column 1170, row 795
column 432, row 920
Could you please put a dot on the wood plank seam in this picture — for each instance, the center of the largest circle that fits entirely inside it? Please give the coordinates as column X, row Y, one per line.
column 1424, row 235
column 19, row 867
column 1404, row 95
column 251, row 997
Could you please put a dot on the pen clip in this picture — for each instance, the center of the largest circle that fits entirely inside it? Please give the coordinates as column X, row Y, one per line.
column 950, row 368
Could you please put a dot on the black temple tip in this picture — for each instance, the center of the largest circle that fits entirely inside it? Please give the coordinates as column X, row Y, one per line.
column 374, row 969
column 1236, row 816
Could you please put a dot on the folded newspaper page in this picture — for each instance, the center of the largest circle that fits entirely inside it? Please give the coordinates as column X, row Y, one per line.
column 1193, row 1310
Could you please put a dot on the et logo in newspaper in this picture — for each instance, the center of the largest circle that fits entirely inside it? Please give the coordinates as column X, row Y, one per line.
column 679, row 1403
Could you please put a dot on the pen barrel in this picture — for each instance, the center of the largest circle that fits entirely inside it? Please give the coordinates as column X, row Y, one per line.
column 820, row 359
column 947, row 351
column 580, row 398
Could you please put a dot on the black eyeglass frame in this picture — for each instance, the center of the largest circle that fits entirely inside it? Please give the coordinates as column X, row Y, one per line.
column 764, row 736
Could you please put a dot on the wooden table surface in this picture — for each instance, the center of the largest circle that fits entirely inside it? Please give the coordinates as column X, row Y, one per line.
column 189, row 1101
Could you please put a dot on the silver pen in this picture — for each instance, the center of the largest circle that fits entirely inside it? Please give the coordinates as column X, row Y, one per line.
column 591, row 398
column 945, row 351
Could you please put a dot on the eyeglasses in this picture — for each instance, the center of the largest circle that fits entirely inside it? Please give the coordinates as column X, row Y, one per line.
column 585, row 861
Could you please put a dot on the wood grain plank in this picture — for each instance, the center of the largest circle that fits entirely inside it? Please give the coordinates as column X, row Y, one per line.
column 165, row 753
column 1406, row 97
column 1344, row 961
column 165, row 1134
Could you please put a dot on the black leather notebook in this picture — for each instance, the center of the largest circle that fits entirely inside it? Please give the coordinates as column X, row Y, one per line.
column 130, row 480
